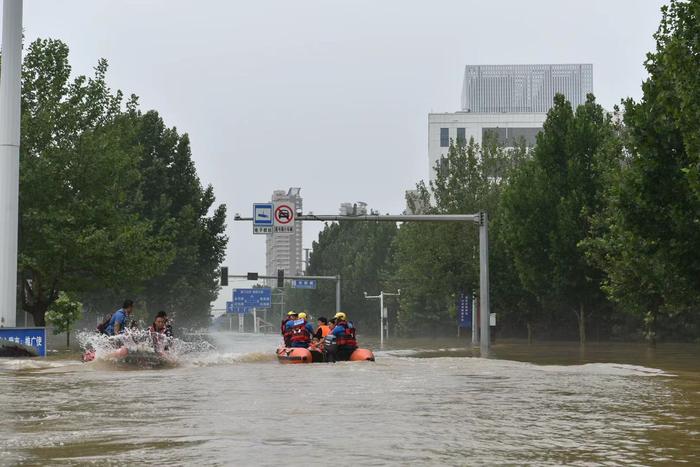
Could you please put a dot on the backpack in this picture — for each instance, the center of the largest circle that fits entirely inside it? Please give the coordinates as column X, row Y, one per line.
column 102, row 326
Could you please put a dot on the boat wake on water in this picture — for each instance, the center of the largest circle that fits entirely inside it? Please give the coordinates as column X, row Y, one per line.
column 141, row 349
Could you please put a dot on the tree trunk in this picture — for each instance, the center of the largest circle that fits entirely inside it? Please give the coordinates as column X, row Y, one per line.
column 529, row 332
column 68, row 338
column 38, row 312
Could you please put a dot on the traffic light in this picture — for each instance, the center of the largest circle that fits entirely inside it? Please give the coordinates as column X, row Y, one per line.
column 224, row 276
column 252, row 276
column 280, row 278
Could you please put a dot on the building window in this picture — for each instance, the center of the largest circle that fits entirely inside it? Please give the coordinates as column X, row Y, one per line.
column 461, row 138
column 444, row 137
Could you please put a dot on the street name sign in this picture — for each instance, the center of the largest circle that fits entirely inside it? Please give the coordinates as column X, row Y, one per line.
column 303, row 283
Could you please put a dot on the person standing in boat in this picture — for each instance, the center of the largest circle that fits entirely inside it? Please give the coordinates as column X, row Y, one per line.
column 286, row 332
column 345, row 340
column 117, row 323
column 300, row 331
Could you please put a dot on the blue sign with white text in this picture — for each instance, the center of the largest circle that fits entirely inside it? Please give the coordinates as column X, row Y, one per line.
column 244, row 300
column 464, row 311
column 31, row 337
column 303, row 283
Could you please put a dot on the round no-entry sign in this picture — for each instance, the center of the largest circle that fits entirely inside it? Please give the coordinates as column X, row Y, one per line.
column 284, row 214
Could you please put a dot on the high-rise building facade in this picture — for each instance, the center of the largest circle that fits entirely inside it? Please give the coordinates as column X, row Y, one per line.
column 523, row 88
column 284, row 250
column 510, row 102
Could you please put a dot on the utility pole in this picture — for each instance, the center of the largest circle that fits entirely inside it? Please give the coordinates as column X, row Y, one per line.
column 383, row 315
column 10, row 91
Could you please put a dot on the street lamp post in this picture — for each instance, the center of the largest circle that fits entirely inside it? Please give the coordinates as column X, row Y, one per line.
column 383, row 315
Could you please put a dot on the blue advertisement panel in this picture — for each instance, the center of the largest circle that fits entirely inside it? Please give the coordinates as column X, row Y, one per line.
column 464, row 310
column 31, row 337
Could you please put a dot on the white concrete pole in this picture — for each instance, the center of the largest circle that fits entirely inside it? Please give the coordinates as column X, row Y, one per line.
column 484, row 282
column 10, row 88
column 337, row 293
column 381, row 319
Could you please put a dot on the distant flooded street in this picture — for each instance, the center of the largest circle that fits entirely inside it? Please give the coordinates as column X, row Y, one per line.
column 421, row 403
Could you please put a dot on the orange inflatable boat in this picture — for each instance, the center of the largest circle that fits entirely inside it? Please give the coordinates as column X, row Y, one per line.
column 314, row 355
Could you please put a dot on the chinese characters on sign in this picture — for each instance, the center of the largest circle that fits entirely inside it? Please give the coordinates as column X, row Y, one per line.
column 30, row 337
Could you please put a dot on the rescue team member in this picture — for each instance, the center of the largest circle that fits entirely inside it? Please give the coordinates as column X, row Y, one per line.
column 323, row 328
column 345, row 340
column 300, row 331
column 286, row 335
column 117, row 323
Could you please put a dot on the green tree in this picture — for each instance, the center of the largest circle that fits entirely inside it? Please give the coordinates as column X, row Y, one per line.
column 80, row 227
column 434, row 263
column 176, row 202
column 547, row 208
column 647, row 237
column 358, row 251
column 63, row 313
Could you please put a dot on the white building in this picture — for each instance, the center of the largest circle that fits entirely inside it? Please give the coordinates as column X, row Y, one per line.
column 511, row 101
column 284, row 251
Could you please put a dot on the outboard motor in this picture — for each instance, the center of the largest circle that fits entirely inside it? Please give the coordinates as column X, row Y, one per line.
column 329, row 348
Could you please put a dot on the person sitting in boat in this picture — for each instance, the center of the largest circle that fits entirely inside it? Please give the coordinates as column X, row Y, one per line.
column 117, row 323
column 323, row 328
column 300, row 332
column 159, row 332
column 286, row 332
column 344, row 332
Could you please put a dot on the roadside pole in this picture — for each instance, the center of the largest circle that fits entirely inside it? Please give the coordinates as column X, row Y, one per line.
column 10, row 91
column 383, row 316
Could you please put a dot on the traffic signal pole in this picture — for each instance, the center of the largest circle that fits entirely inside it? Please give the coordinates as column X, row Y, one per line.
column 320, row 278
column 481, row 219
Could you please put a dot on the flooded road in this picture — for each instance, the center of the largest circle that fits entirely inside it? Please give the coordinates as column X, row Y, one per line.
column 420, row 403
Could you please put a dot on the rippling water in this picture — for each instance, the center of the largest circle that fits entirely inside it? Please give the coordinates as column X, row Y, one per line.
column 421, row 403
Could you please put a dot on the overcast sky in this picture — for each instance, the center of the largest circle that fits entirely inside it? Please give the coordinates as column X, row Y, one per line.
column 330, row 96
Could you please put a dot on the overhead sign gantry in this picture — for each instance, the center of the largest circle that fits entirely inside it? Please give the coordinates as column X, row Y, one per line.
column 481, row 219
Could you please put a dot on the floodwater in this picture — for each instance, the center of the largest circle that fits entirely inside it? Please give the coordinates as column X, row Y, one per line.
column 420, row 403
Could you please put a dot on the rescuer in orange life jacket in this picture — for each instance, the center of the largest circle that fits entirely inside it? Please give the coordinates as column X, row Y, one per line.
column 323, row 329
column 291, row 316
column 300, row 331
column 345, row 341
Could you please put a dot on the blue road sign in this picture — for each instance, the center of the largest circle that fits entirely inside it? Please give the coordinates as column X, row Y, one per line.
column 303, row 283
column 248, row 299
column 31, row 337
column 263, row 219
column 464, row 310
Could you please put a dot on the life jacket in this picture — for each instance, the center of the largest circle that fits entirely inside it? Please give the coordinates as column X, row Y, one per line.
column 283, row 327
column 347, row 338
column 298, row 331
column 325, row 329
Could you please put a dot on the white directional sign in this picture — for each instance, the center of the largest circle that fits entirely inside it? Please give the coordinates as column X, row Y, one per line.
column 283, row 218
column 262, row 218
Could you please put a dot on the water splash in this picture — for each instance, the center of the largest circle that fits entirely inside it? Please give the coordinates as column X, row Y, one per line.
column 140, row 347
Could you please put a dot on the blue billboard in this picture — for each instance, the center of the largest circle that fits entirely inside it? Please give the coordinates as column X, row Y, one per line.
column 30, row 337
